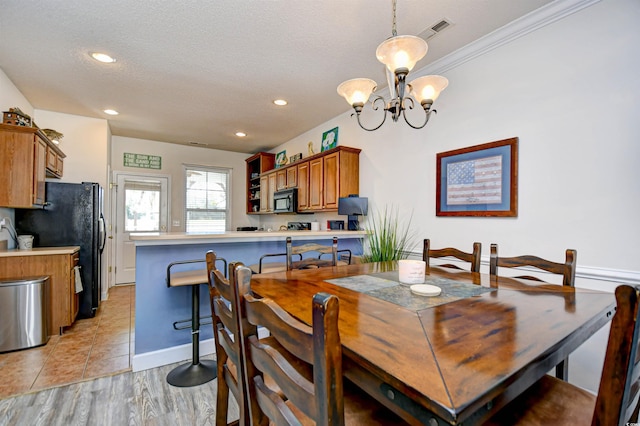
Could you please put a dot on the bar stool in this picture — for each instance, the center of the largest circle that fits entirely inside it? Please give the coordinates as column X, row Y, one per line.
column 197, row 371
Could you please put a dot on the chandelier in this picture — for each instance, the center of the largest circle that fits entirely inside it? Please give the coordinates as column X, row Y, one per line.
column 399, row 54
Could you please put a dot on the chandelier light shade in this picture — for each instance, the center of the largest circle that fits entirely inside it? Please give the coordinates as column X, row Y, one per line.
column 428, row 88
column 399, row 54
column 357, row 91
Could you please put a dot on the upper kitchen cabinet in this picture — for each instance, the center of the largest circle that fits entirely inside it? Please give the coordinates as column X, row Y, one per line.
column 256, row 165
column 332, row 174
column 23, row 166
column 55, row 160
column 321, row 180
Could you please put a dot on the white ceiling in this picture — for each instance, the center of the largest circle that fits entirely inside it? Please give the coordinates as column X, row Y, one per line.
column 198, row 71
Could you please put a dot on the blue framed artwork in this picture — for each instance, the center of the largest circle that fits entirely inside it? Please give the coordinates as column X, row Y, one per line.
column 481, row 180
column 329, row 139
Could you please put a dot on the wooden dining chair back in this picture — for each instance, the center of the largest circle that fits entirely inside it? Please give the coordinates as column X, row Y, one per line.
column 316, row 260
column 473, row 258
column 303, row 366
column 228, row 342
column 552, row 401
column 295, row 259
column 566, row 269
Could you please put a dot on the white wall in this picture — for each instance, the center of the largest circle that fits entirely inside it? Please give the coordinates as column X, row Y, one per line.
column 174, row 157
column 570, row 94
column 569, row 91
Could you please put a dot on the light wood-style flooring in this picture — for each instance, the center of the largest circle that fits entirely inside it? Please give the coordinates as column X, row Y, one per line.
column 90, row 348
column 84, row 377
column 141, row 398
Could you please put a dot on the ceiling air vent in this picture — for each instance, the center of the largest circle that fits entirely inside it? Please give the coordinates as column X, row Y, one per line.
column 434, row 29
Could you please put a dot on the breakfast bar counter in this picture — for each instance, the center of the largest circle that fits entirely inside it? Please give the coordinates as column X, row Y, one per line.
column 158, row 306
column 171, row 238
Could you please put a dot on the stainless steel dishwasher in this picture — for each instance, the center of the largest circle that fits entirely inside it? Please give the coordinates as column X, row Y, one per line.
column 23, row 313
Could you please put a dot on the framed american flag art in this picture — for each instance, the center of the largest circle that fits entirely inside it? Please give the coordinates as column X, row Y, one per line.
column 480, row 180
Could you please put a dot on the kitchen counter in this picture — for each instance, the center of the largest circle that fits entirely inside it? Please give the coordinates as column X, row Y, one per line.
column 158, row 306
column 40, row 251
column 171, row 238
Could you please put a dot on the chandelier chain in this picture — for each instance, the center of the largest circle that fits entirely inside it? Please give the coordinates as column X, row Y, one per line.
column 394, row 31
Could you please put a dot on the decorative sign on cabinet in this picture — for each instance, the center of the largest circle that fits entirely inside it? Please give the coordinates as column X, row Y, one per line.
column 321, row 180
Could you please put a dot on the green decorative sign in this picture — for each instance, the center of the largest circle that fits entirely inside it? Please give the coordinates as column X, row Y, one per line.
column 142, row 161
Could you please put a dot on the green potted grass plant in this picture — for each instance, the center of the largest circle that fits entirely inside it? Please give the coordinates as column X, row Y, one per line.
column 388, row 237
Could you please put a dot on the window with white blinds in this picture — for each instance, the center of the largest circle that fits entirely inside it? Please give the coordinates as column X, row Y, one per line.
column 207, row 199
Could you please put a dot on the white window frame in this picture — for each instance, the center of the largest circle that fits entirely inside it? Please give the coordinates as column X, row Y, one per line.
column 209, row 169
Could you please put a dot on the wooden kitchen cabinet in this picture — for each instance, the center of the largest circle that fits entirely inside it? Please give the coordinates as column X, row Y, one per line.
column 292, row 177
column 271, row 188
column 268, row 183
column 257, row 164
column 55, row 162
column 281, row 180
column 286, row 178
column 321, row 180
column 23, row 166
column 58, row 264
column 303, row 186
column 39, row 171
column 264, row 190
column 315, row 184
column 332, row 175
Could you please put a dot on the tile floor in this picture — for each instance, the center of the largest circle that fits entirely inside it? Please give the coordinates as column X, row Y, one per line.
column 90, row 348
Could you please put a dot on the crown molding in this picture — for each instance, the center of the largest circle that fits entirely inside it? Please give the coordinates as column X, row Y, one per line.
column 530, row 22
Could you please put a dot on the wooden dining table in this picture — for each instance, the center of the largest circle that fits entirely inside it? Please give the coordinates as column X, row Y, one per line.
column 455, row 358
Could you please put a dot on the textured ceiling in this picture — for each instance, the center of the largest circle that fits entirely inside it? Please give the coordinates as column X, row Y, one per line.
column 198, row 71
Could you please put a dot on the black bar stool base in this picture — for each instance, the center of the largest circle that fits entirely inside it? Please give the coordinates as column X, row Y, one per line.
column 190, row 374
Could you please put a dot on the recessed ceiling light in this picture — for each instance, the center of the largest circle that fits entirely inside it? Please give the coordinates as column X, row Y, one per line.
column 280, row 102
column 241, row 134
column 102, row 57
column 111, row 112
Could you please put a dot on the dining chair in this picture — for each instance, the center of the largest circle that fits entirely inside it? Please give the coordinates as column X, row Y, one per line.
column 229, row 354
column 473, row 258
column 551, row 401
column 305, row 363
column 297, row 257
column 566, row 269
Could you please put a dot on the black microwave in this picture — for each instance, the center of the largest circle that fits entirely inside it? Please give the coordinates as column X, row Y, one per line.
column 285, row 201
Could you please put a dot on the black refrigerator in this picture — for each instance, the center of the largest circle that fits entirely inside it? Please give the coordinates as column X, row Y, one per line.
column 72, row 216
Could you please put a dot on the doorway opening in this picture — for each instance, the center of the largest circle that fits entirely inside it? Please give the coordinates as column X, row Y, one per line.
column 141, row 206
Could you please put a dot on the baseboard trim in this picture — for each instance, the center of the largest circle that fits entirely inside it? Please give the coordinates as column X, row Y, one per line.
column 166, row 356
column 179, row 353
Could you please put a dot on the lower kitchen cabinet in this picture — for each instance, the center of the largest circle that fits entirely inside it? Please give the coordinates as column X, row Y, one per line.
column 58, row 264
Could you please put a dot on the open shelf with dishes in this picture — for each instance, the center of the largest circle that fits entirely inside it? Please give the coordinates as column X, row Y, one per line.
column 256, row 165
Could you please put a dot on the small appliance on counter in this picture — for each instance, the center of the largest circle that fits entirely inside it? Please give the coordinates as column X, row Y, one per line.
column 335, row 224
column 246, row 228
column 299, row 226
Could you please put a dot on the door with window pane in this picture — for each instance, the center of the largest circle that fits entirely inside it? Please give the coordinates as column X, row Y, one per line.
column 207, row 193
column 141, row 207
